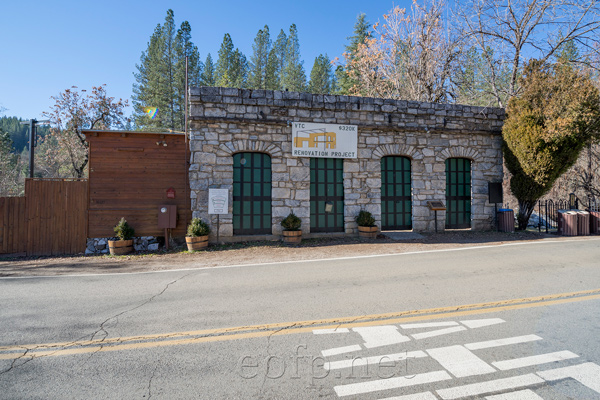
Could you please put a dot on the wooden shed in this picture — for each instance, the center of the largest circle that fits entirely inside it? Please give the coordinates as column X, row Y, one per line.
column 131, row 174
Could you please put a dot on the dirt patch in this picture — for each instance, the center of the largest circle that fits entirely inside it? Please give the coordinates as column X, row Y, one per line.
column 254, row 252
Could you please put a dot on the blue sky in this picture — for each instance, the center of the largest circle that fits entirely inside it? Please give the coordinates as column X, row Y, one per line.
column 48, row 46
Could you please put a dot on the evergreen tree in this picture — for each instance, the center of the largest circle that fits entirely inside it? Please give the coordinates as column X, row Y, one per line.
column 207, row 78
column 276, row 62
column 259, row 60
column 362, row 29
column 224, row 63
column 293, row 77
column 185, row 48
column 160, row 76
column 239, row 70
column 321, row 77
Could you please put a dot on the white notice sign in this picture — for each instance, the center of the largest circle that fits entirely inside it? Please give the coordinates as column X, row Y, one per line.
column 324, row 140
column 218, row 201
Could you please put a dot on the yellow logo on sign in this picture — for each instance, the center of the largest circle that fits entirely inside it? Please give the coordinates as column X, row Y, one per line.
column 315, row 138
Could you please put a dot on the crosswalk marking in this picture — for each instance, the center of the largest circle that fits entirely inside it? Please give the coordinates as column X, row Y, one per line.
column 340, row 350
column 415, row 396
column 391, row 383
column 502, row 342
column 587, row 374
column 497, row 385
column 377, row 336
column 518, row 395
column 428, row 325
column 374, row 360
column 480, row 323
column 534, row 360
column 438, row 332
column 460, row 362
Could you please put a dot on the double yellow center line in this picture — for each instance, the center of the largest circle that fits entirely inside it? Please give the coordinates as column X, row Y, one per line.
column 284, row 328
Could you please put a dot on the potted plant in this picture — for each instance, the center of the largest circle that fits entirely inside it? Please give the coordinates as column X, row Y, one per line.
column 291, row 229
column 366, row 225
column 124, row 242
column 197, row 235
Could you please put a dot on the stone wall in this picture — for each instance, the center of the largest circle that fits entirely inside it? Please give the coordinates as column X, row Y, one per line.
column 100, row 245
column 227, row 120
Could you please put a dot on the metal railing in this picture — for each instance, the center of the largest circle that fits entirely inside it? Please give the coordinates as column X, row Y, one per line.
column 548, row 212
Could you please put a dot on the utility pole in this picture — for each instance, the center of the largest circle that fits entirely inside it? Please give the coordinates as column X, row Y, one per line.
column 32, row 139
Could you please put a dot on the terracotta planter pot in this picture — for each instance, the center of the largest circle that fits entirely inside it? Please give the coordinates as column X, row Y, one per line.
column 120, row 247
column 368, row 232
column 292, row 237
column 196, row 243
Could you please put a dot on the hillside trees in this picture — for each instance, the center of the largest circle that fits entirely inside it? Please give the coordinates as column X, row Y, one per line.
column 259, row 60
column 348, row 81
column 160, row 76
column 65, row 148
column 232, row 67
column 556, row 114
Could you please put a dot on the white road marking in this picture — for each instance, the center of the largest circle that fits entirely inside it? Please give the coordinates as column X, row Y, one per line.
column 428, row 325
column 340, row 350
column 518, row 395
column 502, row 342
column 460, row 362
column 391, row 383
column 438, row 332
column 587, row 374
column 374, row 360
column 320, row 260
column 328, row 331
column 475, row 389
column 416, row 396
column 384, row 335
column 480, row 323
column 534, row 360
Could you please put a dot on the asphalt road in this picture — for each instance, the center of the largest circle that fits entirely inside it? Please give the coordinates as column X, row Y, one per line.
column 469, row 323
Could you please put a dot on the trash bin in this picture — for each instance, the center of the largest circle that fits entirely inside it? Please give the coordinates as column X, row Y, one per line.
column 595, row 222
column 567, row 223
column 583, row 223
column 506, row 220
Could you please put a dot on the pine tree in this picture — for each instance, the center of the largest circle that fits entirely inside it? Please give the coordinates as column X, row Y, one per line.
column 185, row 48
column 362, row 29
column 207, row 78
column 321, row 77
column 259, row 60
column 239, row 70
column 276, row 62
column 224, row 62
column 160, row 77
column 293, row 77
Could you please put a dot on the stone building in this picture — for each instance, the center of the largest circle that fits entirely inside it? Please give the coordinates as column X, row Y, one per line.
column 326, row 157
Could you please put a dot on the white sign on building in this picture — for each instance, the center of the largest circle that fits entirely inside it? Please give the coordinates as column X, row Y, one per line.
column 324, row 140
column 218, row 201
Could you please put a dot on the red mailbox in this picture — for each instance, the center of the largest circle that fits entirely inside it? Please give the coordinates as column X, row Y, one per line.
column 167, row 217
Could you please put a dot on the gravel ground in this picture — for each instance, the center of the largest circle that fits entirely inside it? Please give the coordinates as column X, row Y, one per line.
column 256, row 252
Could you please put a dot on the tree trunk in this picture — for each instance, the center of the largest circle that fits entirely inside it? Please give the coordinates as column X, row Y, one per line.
column 526, row 207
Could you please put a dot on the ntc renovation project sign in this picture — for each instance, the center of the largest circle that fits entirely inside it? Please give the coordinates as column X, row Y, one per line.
column 324, row 140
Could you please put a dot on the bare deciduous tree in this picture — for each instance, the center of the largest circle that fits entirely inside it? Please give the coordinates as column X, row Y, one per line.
column 410, row 56
column 73, row 111
column 509, row 32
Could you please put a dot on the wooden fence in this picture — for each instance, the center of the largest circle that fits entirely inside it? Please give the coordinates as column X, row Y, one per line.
column 51, row 219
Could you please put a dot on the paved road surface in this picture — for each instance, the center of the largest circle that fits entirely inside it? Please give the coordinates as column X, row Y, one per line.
column 488, row 322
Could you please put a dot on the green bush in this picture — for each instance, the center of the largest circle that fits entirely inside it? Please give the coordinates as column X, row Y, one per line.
column 123, row 231
column 364, row 218
column 198, row 228
column 291, row 222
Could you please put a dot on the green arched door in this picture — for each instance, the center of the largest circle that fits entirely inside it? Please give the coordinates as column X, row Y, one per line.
column 251, row 194
column 458, row 193
column 396, row 199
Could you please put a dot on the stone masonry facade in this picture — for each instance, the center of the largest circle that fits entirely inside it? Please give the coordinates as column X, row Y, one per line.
column 224, row 121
